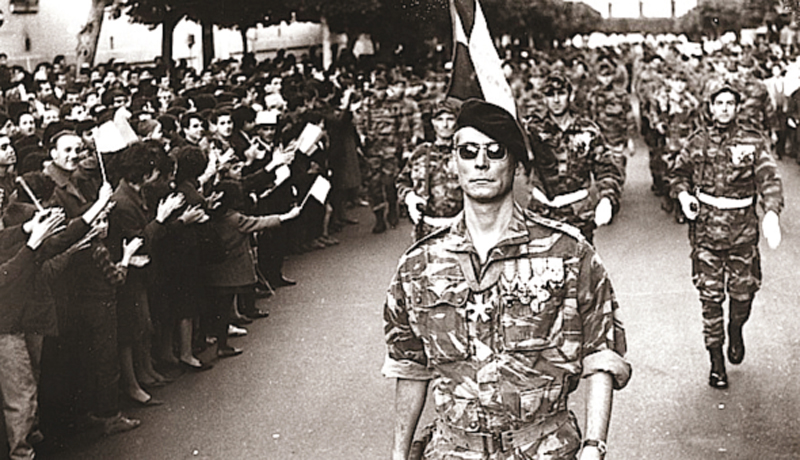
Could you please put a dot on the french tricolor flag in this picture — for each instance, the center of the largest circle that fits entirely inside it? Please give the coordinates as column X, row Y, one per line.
column 477, row 68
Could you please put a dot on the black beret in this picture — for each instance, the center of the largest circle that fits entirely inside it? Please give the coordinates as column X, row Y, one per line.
column 497, row 123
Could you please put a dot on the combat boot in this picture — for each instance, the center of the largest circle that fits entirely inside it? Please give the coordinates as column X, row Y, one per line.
column 380, row 223
column 717, row 378
column 392, row 216
column 736, row 343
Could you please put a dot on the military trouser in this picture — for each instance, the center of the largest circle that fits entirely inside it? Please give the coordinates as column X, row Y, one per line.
column 658, row 170
column 382, row 171
column 735, row 270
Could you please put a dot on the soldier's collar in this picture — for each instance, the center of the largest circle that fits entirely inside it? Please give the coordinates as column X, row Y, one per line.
column 459, row 240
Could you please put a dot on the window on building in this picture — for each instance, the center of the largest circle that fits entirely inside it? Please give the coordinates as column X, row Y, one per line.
column 24, row 6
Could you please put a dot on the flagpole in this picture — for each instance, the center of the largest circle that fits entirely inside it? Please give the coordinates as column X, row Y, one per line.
column 102, row 166
column 30, row 193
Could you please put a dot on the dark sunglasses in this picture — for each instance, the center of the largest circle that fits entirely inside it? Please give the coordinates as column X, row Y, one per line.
column 494, row 151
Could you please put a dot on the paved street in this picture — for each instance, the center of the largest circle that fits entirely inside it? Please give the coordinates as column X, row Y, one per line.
column 308, row 385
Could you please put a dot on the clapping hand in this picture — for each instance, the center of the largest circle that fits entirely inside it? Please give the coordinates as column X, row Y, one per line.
column 227, row 157
column 212, row 201
column 45, row 224
column 129, row 248
column 193, row 215
column 168, row 205
column 86, row 241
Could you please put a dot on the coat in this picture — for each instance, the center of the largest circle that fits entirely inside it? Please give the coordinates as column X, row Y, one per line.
column 237, row 268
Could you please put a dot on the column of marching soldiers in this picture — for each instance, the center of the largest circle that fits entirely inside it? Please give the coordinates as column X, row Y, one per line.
column 222, row 146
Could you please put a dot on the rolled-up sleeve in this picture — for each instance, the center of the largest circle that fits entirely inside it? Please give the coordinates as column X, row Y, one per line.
column 604, row 344
column 405, row 355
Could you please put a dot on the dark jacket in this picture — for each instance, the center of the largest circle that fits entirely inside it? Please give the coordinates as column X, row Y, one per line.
column 27, row 304
column 233, row 230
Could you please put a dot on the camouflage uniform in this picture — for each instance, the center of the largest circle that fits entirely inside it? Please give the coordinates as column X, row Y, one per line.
column 505, row 343
column 390, row 124
column 648, row 86
column 678, row 112
column 731, row 162
column 431, row 174
column 610, row 106
column 566, row 162
column 757, row 110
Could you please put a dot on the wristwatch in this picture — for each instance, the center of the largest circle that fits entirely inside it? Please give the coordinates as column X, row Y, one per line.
column 601, row 445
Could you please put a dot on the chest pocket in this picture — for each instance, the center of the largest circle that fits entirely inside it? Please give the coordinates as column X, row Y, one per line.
column 532, row 292
column 440, row 310
column 741, row 163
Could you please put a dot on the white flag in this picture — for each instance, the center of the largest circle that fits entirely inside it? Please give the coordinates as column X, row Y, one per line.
column 319, row 190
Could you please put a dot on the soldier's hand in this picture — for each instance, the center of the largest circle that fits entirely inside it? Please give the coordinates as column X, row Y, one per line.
column 689, row 205
column 603, row 212
column 413, row 202
column 771, row 226
column 590, row 453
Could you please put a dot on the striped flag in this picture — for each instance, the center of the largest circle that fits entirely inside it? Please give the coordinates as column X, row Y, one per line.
column 477, row 68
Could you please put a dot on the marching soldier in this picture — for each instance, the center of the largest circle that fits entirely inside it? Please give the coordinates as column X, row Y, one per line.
column 428, row 184
column 570, row 153
column 724, row 170
column 679, row 117
column 392, row 125
column 610, row 106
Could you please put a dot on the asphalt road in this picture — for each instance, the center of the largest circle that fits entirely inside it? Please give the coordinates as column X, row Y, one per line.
column 308, row 385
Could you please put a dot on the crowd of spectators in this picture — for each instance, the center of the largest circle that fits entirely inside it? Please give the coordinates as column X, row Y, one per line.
column 145, row 212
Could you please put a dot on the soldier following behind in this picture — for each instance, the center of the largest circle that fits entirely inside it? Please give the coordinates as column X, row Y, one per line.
column 571, row 154
column 504, row 312
column 428, row 184
column 718, row 178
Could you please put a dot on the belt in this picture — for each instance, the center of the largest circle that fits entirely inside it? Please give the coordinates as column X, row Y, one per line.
column 721, row 202
column 560, row 201
column 504, row 440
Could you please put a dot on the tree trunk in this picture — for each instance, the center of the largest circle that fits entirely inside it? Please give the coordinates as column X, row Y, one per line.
column 167, row 33
column 90, row 34
column 243, row 33
column 208, row 42
column 327, row 52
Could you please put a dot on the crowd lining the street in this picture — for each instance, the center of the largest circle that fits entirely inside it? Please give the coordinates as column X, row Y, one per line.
column 124, row 262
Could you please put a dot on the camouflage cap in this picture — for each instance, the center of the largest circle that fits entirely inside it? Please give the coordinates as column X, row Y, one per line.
column 720, row 85
column 556, row 81
column 445, row 106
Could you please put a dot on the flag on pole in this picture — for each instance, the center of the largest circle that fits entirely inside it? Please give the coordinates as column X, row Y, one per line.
column 319, row 190
column 477, row 68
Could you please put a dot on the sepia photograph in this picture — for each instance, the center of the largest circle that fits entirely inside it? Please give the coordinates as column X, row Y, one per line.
column 399, row 229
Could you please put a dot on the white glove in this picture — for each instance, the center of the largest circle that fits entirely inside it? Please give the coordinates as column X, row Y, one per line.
column 792, row 124
column 412, row 202
column 603, row 212
column 771, row 225
column 689, row 205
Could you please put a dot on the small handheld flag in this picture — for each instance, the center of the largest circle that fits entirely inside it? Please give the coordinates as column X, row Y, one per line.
column 319, row 190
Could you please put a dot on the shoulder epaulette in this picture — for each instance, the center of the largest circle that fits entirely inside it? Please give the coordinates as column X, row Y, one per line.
column 424, row 240
column 555, row 225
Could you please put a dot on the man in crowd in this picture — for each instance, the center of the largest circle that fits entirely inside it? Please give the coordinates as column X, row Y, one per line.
column 428, row 184
column 570, row 154
column 718, row 178
column 505, row 312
